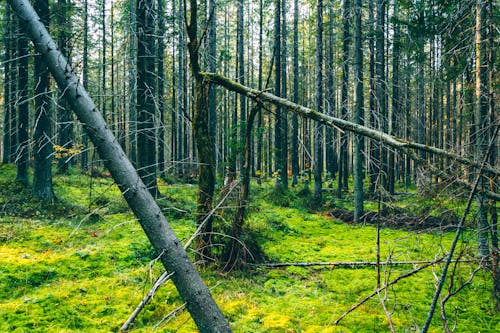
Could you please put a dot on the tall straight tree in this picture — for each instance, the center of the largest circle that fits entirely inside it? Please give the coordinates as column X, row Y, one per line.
column 204, row 144
column 318, row 127
column 85, row 74
column 346, row 41
column 277, row 91
column 132, row 82
column 482, row 116
column 374, row 121
column 331, row 144
column 284, row 112
column 7, row 105
column 212, row 67
column 146, row 136
column 160, row 82
column 380, row 84
column 396, row 102
column 295, row 95
column 358, row 113
column 260, row 139
column 22, row 153
column 103, row 61
column 42, row 175
column 240, row 65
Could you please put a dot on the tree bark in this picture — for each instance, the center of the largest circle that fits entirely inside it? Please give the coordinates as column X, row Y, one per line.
column 295, row 98
column 146, row 110
column 318, row 128
column 194, row 292
column 346, row 41
column 42, row 174
column 22, row 153
column 358, row 114
column 7, row 105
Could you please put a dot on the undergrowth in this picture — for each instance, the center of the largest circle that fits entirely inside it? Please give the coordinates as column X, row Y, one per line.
column 82, row 264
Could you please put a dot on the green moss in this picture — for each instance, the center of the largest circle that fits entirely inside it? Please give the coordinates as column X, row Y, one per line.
column 62, row 270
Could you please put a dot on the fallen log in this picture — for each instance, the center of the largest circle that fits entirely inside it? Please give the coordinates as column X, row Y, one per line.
column 395, row 142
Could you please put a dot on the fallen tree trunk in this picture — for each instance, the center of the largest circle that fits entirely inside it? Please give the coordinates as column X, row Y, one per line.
column 354, row 264
column 186, row 278
column 262, row 96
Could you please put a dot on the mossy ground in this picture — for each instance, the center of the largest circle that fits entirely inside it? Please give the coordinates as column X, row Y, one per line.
column 82, row 264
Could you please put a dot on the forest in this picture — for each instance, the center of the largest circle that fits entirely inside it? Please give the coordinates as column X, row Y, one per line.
column 249, row 166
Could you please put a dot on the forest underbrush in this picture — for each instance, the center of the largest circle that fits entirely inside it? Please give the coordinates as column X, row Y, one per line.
column 82, row 263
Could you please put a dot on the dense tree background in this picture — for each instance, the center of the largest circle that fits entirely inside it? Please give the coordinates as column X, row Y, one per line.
column 422, row 70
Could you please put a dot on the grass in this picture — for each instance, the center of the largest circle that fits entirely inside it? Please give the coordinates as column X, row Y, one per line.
column 82, row 264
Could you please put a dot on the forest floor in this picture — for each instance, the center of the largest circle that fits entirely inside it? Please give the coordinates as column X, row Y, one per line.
column 82, row 264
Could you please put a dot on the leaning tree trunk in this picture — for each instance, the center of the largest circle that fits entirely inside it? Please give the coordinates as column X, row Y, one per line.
column 195, row 293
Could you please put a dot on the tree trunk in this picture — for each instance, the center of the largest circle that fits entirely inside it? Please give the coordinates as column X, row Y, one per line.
column 7, row 105
column 132, row 82
column 482, row 137
column 284, row 112
column 22, row 153
column 346, row 40
column 277, row 91
column 85, row 76
column 42, row 174
column 358, row 114
column 240, row 60
column 204, row 144
column 194, row 292
column 212, row 67
column 146, row 136
column 160, row 82
column 295, row 96
column 318, row 128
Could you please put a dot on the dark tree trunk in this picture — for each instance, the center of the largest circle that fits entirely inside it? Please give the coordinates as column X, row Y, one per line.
column 358, row 114
column 277, row 91
column 318, row 128
column 132, row 83
column 374, row 121
column 331, row 142
column 146, row 136
column 42, row 150
column 204, row 144
column 22, row 153
column 284, row 112
column 295, row 96
column 240, row 60
column 161, row 87
column 346, row 41
column 7, row 105
column 85, row 75
column 260, row 129
column 396, row 102
column 212, row 67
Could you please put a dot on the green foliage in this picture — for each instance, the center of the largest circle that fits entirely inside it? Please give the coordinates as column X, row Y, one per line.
column 66, row 273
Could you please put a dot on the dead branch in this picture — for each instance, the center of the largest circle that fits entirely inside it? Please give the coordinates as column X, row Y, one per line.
column 355, row 264
column 458, row 232
column 378, row 290
column 164, row 277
